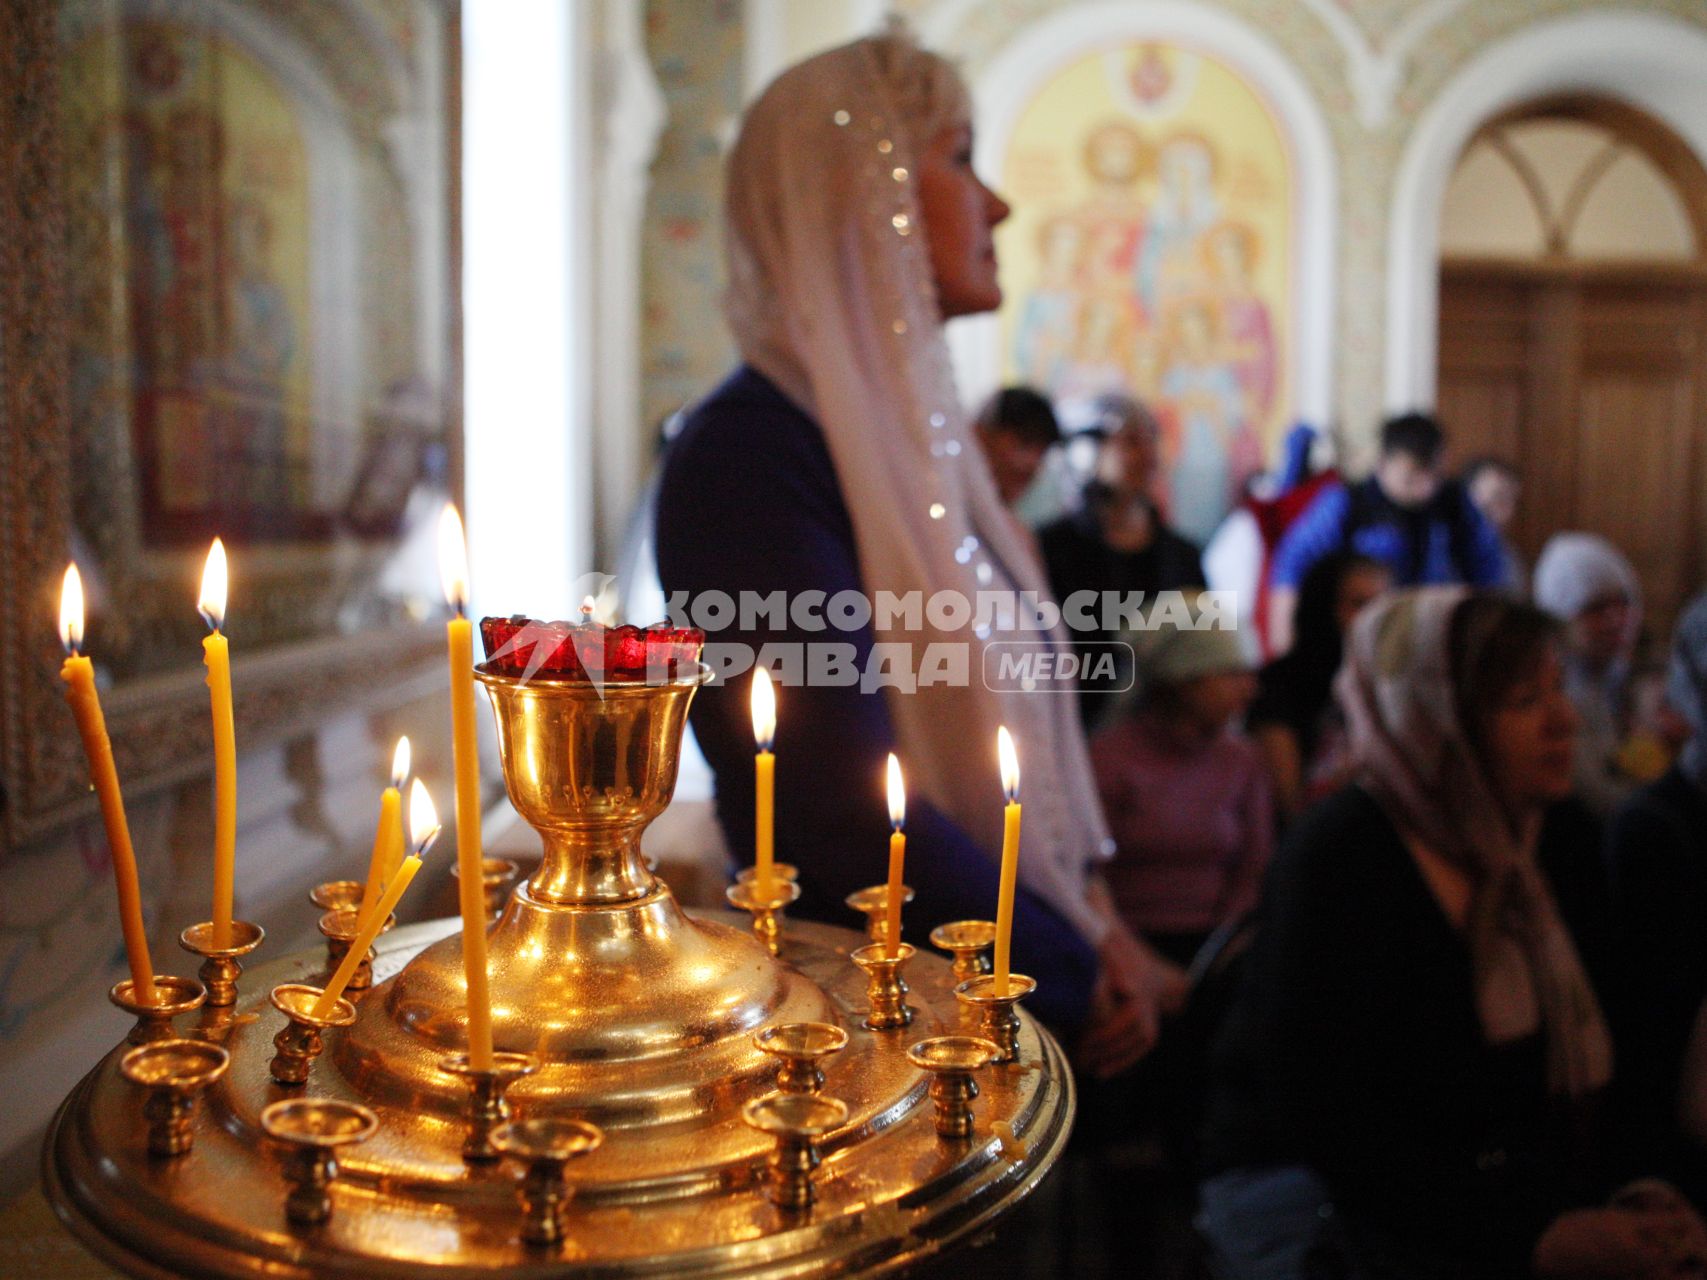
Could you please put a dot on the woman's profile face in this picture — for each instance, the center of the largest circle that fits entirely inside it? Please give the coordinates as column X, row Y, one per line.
column 959, row 213
column 1530, row 736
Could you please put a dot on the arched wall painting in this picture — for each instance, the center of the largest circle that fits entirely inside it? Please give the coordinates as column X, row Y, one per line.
column 1150, row 252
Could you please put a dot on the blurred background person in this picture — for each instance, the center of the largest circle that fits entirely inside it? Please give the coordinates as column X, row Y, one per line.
column 1016, row 428
column 1118, row 541
column 1295, row 721
column 1404, row 514
column 1496, row 486
column 1589, row 585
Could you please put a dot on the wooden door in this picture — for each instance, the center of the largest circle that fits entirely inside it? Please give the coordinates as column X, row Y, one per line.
column 1594, row 382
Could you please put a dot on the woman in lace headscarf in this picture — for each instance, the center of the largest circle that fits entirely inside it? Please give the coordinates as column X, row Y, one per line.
column 838, row 458
column 1409, row 1073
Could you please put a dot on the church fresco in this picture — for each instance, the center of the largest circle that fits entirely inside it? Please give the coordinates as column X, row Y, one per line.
column 1150, row 253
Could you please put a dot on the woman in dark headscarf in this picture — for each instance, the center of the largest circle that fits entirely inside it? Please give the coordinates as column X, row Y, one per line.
column 1405, row 1077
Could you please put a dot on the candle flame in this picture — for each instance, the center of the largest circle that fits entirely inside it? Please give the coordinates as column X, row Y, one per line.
column 423, row 818
column 71, row 610
column 587, row 606
column 897, row 794
column 214, row 582
column 1010, row 763
column 453, row 558
column 764, row 709
column 400, row 762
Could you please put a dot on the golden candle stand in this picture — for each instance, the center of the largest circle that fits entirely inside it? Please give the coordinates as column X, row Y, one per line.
column 639, row 1020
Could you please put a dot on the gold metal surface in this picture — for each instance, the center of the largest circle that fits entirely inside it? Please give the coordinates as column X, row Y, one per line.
column 885, row 988
column 797, row 1121
column 335, row 895
column 642, row 1018
column 299, row 1041
column 486, row 1106
column 497, row 877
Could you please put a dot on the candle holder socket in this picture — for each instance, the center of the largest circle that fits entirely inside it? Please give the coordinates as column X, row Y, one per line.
column 173, row 996
column 798, row 1047
column 766, row 911
column 951, row 1060
column 873, row 903
column 486, row 1106
column 545, row 1144
column 497, row 877
column 337, row 895
column 885, row 988
column 220, row 968
column 300, row 1041
column 797, row 1121
column 998, row 1020
column 339, row 927
column 779, row 871
column 312, row 1129
column 969, row 942
column 173, row 1072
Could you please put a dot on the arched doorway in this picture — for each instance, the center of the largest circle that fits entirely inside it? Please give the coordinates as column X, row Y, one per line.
column 1573, row 328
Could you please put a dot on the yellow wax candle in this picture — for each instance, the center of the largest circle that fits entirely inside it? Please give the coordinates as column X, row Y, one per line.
column 387, row 853
column 424, row 828
column 216, row 653
column 79, row 676
column 453, row 567
column 897, row 854
column 1010, row 856
column 764, row 777
column 401, row 759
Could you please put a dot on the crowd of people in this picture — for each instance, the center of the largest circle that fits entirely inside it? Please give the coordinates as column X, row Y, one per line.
column 1406, row 869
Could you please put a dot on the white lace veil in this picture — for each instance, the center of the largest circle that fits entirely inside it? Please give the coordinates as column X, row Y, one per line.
column 831, row 297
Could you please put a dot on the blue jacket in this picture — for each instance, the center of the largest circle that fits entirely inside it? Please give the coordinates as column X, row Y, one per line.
column 1449, row 541
column 750, row 502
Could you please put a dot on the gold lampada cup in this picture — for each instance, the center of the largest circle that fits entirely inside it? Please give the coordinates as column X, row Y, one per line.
column 311, row 1130
column 952, row 1060
column 339, row 928
column 797, row 1121
column 969, row 942
column 885, row 988
column 220, row 965
column 998, row 1020
column 175, row 996
column 300, row 1042
column 336, row 895
column 174, row 1073
column 798, row 1048
column 766, row 910
column 873, row 903
column 546, row 1145
column 497, row 877
column 487, row 1108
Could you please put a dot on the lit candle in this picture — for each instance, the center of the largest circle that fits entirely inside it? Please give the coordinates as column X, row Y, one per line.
column 1010, row 855
column 79, row 676
column 388, row 838
column 897, row 852
column 216, row 653
column 453, row 569
column 423, row 830
column 764, row 766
